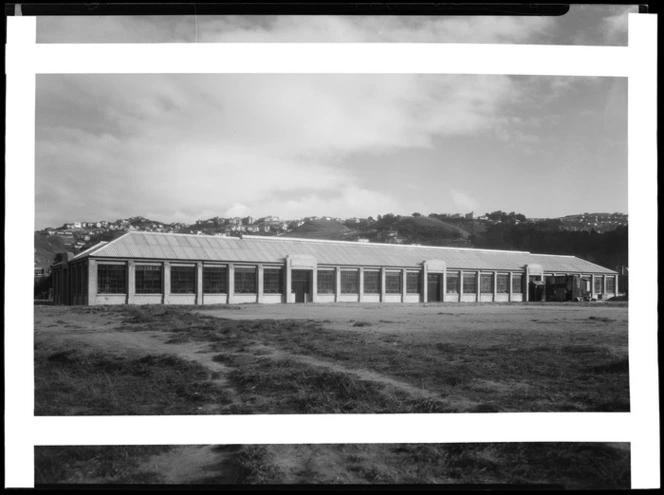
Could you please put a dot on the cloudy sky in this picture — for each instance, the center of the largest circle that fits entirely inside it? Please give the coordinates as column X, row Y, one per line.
column 184, row 147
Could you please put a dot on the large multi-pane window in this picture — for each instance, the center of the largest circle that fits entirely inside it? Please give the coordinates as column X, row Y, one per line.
column 503, row 283
column 349, row 282
column 183, row 279
column 469, row 283
column 245, row 280
column 372, row 282
column 516, row 283
column 111, row 279
column 599, row 285
column 610, row 285
column 452, row 283
column 273, row 280
column 413, row 282
column 214, row 280
column 325, row 283
column 486, row 283
column 148, row 279
column 393, row 282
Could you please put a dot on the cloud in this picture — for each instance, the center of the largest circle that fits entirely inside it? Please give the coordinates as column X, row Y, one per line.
column 358, row 29
column 464, row 200
column 615, row 25
column 121, row 144
column 237, row 210
column 287, row 28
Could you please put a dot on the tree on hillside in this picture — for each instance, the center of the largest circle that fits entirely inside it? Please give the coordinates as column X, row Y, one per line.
column 501, row 216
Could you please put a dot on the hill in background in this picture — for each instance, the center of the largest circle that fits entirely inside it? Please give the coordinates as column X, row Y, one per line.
column 323, row 229
column 599, row 238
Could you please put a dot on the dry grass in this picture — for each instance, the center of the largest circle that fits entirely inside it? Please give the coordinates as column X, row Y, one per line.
column 94, row 383
column 525, row 369
column 94, row 464
column 496, row 465
column 533, row 365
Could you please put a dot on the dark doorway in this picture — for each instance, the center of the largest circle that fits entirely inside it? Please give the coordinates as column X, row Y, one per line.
column 433, row 287
column 536, row 289
column 301, row 285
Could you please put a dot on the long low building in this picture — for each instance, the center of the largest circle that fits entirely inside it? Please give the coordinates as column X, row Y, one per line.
column 155, row 268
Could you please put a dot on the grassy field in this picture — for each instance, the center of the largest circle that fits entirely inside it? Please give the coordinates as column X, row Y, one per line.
column 331, row 359
column 533, row 465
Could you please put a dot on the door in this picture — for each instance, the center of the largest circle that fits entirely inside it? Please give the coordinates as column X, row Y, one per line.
column 301, row 285
column 433, row 287
column 536, row 289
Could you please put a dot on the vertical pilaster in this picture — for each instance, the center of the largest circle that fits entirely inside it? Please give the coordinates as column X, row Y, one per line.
column 288, row 286
column 337, row 284
column 495, row 285
column 509, row 288
column 260, row 284
column 231, row 283
column 593, row 294
column 199, row 283
column 131, row 281
column 525, row 286
column 382, row 284
column 478, row 287
column 92, row 281
column 314, row 284
column 443, row 285
column 361, row 286
column 404, row 284
column 425, row 283
column 615, row 284
column 461, row 275
column 167, row 283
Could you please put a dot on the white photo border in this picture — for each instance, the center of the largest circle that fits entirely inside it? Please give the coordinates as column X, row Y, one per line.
column 637, row 62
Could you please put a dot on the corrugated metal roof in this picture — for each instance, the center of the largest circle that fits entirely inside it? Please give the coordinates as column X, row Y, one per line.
column 149, row 245
column 89, row 251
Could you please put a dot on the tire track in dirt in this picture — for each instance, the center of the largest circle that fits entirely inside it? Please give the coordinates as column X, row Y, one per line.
column 455, row 403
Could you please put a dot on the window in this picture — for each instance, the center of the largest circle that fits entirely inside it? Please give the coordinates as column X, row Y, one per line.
column 393, row 282
column 273, row 280
column 503, row 283
column 372, row 282
column 245, row 280
column 599, row 285
column 486, row 283
column 413, row 282
column 183, row 279
column 214, row 280
column 349, row 281
column 516, row 283
column 611, row 284
column 469, row 283
column 326, row 279
column 111, row 279
column 148, row 279
column 452, row 283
